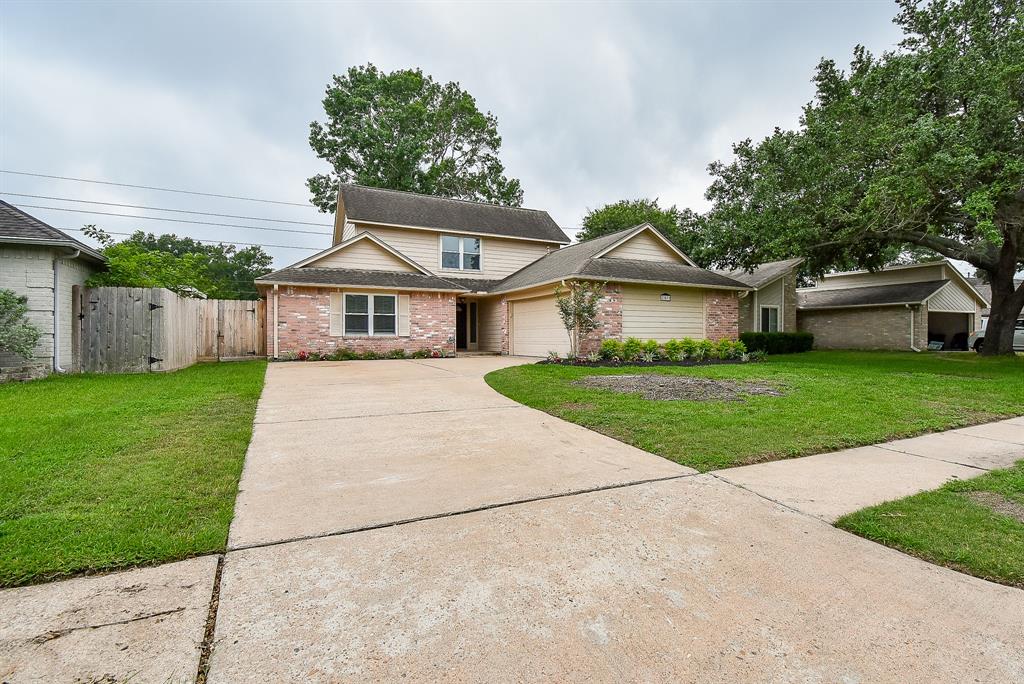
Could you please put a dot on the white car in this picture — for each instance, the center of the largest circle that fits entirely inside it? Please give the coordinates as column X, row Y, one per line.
column 977, row 338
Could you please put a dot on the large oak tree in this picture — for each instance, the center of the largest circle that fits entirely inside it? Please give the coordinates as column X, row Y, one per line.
column 921, row 147
column 404, row 131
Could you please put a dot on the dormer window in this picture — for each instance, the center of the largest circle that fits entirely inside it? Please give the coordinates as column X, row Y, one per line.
column 460, row 253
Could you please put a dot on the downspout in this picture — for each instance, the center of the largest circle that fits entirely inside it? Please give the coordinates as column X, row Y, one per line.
column 275, row 321
column 911, row 310
column 56, row 309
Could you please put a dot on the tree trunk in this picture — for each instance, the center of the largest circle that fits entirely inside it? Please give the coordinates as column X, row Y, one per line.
column 1006, row 307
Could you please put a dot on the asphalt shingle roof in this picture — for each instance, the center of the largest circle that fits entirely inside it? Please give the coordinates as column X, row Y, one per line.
column 763, row 274
column 410, row 209
column 581, row 260
column 357, row 277
column 871, row 295
column 17, row 226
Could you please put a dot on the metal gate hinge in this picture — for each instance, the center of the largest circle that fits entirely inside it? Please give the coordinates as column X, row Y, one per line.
column 155, row 306
column 153, row 359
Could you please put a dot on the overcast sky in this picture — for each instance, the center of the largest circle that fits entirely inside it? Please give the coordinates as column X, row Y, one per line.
column 595, row 102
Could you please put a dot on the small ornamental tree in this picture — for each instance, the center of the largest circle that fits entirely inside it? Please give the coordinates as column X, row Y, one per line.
column 578, row 304
column 17, row 335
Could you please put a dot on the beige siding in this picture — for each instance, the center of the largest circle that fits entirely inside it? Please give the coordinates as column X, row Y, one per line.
column 489, row 324
column 902, row 275
column 646, row 247
column 645, row 316
column 365, row 255
column 536, row 328
column 953, row 298
column 499, row 257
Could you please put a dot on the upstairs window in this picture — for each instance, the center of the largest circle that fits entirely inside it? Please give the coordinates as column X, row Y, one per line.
column 460, row 253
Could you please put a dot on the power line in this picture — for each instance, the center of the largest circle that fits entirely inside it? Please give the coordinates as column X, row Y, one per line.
column 176, row 211
column 226, row 242
column 151, row 187
column 173, row 220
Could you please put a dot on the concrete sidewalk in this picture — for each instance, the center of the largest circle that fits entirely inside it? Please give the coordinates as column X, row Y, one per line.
column 828, row 486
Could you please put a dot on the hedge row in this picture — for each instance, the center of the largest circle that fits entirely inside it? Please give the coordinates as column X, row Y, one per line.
column 778, row 342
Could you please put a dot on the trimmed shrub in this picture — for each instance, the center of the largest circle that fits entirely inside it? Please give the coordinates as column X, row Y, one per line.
column 396, row 354
column 421, row 354
column 727, row 349
column 632, row 349
column 689, row 347
column 611, row 349
column 778, row 342
column 653, row 348
column 674, row 350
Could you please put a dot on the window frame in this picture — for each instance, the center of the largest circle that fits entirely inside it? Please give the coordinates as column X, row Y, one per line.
column 370, row 313
column 778, row 317
column 441, row 251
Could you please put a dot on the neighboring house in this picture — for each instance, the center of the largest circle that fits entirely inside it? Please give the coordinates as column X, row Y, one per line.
column 901, row 307
column 42, row 263
column 416, row 272
column 985, row 290
column 771, row 306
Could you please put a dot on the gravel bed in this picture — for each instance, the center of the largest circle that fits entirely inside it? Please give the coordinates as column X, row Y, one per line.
column 657, row 386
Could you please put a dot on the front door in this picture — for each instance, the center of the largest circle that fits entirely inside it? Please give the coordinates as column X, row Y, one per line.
column 460, row 324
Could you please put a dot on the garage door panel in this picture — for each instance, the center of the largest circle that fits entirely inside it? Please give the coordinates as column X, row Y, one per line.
column 646, row 316
column 537, row 329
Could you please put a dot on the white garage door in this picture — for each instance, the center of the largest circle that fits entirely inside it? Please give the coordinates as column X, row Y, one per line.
column 537, row 328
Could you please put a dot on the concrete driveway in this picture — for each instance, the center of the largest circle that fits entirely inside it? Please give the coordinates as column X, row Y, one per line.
column 399, row 520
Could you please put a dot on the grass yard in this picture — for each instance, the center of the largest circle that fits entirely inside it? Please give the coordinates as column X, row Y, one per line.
column 831, row 400
column 106, row 471
column 947, row 527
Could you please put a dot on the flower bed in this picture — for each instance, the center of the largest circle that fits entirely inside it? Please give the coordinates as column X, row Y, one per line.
column 684, row 352
column 369, row 355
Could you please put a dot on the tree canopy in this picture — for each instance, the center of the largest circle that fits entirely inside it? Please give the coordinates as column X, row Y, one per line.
column 405, row 131
column 678, row 225
column 920, row 147
column 17, row 334
column 180, row 264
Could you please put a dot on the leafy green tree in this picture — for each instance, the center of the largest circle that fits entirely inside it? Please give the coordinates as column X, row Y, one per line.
column 180, row 264
column 17, row 335
column 404, row 131
column 578, row 304
column 681, row 226
column 919, row 148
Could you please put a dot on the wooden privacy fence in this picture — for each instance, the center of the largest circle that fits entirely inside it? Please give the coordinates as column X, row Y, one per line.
column 139, row 330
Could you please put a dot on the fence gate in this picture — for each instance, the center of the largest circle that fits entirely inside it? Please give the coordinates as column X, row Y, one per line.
column 137, row 330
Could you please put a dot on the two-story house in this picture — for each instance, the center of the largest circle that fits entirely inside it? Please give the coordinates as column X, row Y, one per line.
column 415, row 272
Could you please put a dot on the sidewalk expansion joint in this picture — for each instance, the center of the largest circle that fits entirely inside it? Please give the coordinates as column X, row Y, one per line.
column 206, row 648
column 770, row 499
column 390, row 413
column 932, row 458
column 452, row 514
column 58, row 633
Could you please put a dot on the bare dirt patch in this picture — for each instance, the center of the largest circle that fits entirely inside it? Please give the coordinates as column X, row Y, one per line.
column 997, row 503
column 656, row 386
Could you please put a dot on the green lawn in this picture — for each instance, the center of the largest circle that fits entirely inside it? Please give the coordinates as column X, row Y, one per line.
column 946, row 527
column 832, row 400
column 106, row 471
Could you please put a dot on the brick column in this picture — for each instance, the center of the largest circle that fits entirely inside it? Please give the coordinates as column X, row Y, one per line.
column 721, row 315
column 609, row 320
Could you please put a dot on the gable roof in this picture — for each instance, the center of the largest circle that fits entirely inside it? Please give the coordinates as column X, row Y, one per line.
column 868, row 295
column 583, row 260
column 985, row 290
column 949, row 266
column 20, row 228
column 357, row 238
column 765, row 274
column 354, row 277
column 406, row 209
column 631, row 233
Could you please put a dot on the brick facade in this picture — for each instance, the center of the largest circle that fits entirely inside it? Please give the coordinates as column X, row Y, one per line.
column 609, row 320
column 721, row 315
column 880, row 327
column 304, row 324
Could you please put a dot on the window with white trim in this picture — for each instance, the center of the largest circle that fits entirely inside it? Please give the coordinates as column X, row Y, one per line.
column 367, row 314
column 460, row 253
column 769, row 319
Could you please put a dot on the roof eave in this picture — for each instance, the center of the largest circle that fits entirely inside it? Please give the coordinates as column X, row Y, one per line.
column 47, row 242
column 401, row 288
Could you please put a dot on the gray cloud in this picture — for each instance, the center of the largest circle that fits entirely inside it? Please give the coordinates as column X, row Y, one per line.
column 595, row 102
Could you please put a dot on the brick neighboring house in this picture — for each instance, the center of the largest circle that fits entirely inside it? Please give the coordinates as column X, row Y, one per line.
column 42, row 263
column 415, row 272
column 896, row 308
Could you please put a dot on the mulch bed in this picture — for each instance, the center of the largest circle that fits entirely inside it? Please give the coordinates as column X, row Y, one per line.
column 678, row 387
column 619, row 364
column 997, row 503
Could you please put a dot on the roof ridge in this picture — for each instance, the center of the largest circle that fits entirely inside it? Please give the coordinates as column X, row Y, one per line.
column 447, row 199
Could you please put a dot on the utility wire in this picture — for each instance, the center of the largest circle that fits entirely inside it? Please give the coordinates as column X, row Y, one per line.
column 151, row 187
column 176, row 211
column 173, row 220
column 226, row 242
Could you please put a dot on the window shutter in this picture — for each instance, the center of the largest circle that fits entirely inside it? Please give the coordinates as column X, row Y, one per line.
column 336, row 327
column 403, row 315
